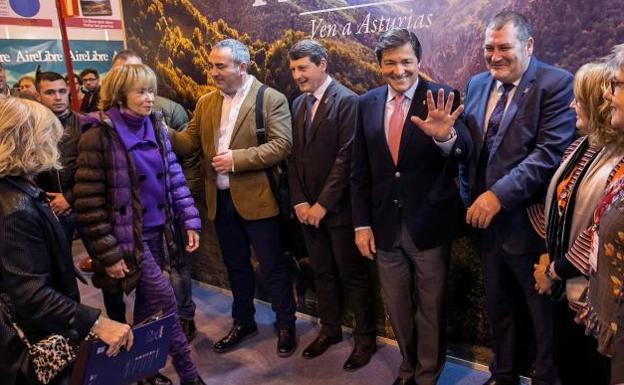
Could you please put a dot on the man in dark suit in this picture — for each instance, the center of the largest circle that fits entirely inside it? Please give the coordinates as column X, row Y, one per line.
column 405, row 200
column 324, row 119
column 518, row 116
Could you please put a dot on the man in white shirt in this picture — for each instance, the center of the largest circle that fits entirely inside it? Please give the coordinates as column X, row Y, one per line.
column 239, row 197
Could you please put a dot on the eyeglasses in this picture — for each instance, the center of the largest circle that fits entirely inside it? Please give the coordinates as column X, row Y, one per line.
column 89, row 79
column 615, row 84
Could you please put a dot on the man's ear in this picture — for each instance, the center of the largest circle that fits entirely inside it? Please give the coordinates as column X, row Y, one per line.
column 529, row 46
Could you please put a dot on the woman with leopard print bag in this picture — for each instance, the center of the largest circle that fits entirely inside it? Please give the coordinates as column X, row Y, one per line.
column 38, row 288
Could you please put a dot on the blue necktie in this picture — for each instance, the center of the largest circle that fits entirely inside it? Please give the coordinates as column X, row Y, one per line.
column 492, row 129
column 310, row 100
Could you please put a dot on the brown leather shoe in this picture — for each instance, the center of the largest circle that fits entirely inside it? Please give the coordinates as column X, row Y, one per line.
column 320, row 344
column 360, row 356
column 86, row 264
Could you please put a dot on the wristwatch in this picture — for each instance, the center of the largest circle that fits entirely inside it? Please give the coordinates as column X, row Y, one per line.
column 549, row 274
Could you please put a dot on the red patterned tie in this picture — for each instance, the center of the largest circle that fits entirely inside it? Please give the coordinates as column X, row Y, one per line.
column 395, row 128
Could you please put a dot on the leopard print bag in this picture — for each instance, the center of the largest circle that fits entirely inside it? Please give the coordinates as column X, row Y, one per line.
column 50, row 355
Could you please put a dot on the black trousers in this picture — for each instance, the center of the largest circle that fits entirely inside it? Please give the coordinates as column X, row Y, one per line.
column 340, row 273
column 236, row 235
column 506, row 275
column 576, row 354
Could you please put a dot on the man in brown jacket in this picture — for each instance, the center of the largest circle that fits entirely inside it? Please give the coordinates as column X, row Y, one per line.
column 238, row 192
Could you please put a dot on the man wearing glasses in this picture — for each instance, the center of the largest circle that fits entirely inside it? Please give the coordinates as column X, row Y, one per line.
column 90, row 79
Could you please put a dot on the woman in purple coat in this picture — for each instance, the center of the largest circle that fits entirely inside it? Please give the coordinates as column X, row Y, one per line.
column 133, row 202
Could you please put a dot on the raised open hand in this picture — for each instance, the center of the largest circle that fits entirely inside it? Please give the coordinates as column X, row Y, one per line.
column 439, row 120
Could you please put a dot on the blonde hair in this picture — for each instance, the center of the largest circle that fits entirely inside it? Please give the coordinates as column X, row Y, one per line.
column 29, row 135
column 590, row 83
column 120, row 79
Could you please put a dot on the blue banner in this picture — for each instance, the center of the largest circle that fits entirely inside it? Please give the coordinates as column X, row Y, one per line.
column 20, row 56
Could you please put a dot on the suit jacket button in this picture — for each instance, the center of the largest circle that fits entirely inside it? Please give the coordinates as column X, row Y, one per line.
column 161, row 206
column 144, row 210
column 159, row 175
column 396, row 201
column 458, row 151
column 397, row 174
column 142, row 177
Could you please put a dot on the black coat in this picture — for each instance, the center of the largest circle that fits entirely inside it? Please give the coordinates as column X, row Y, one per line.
column 37, row 275
column 319, row 167
column 420, row 190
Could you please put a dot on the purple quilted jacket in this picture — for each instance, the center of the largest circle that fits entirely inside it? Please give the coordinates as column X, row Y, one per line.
column 108, row 205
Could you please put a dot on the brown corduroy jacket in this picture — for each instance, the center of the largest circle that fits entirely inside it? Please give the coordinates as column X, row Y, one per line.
column 249, row 185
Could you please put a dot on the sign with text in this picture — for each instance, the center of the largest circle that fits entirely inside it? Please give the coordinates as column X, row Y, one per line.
column 21, row 57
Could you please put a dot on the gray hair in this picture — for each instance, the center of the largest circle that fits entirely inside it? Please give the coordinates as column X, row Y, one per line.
column 518, row 20
column 615, row 60
column 240, row 53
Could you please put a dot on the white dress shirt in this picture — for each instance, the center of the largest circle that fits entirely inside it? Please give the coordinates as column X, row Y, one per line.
column 318, row 94
column 229, row 113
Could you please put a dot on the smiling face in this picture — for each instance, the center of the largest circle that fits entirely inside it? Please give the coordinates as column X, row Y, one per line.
column 506, row 57
column 140, row 100
column 227, row 75
column 399, row 67
column 615, row 96
column 308, row 75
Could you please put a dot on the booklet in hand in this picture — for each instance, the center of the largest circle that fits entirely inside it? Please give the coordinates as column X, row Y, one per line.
column 147, row 355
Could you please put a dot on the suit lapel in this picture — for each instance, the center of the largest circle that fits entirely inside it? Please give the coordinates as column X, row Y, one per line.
column 378, row 113
column 248, row 104
column 484, row 97
column 324, row 106
column 525, row 85
column 299, row 122
column 418, row 107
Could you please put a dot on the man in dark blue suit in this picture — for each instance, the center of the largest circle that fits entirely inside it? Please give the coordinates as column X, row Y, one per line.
column 405, row 200
column 518, row 116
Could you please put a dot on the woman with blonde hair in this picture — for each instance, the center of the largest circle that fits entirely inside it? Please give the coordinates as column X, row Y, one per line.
column 133, row 203
column 38, row 288
column 575, row 190
column 602, row 312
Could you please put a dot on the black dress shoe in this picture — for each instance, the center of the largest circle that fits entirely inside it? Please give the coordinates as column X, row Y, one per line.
column 502, row 381
column 320, row 344
column 360, row 356
column 235, row 336
column 157, row 379
column 286, row 341
column 404, row 381
column 189, row 328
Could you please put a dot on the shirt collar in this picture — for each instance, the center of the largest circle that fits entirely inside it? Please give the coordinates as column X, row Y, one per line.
column 241, row 91
column 499, row 85
column 319, row 92
column 409, row 93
